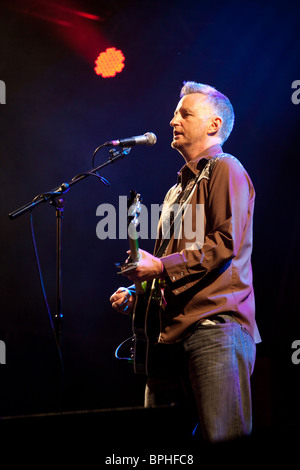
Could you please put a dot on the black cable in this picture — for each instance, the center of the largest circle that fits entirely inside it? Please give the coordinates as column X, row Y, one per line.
column 44, row 291
column 90, row 173
column 47, row 196
column 94, row 154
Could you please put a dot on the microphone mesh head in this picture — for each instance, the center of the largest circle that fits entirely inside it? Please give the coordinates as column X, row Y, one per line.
column 151, row 138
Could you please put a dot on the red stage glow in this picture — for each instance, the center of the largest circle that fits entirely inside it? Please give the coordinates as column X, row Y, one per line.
column 109, row 63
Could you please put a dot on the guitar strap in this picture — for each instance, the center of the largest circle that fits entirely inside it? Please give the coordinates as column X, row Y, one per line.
column 183, row 200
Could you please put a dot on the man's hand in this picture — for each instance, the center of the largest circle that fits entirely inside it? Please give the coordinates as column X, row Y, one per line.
column 149, row 268
column 122, row 300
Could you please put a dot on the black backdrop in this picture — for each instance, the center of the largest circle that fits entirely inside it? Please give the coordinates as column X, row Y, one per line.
column 58, row 111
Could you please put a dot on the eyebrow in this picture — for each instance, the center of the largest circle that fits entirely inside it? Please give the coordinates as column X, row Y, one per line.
column 187, row 110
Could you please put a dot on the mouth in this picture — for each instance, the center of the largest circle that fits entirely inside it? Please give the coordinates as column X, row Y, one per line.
column 176, row 134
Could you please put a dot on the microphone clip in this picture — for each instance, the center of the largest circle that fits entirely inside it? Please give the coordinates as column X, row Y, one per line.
column 116, row 154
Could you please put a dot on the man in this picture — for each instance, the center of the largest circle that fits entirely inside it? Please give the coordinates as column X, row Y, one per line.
column 208, row 330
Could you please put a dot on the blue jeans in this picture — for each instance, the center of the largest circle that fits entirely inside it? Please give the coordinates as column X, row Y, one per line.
column 214, row 365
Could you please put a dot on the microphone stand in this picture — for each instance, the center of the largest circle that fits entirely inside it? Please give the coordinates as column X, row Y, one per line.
column 64, row 187
column 55, row 199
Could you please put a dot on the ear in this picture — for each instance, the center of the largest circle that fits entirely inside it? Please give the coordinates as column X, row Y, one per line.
column 215, row 125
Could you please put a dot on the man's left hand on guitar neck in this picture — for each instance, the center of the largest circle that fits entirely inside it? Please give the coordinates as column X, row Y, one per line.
column 149, row 268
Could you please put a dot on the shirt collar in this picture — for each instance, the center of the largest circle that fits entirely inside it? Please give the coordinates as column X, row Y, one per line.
column 196, row 165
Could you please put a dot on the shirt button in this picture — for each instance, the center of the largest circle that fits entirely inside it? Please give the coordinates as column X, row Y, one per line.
column 173, row 278
column 181, row 274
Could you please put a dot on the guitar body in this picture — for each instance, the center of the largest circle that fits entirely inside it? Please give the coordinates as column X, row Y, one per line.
column 146, row 327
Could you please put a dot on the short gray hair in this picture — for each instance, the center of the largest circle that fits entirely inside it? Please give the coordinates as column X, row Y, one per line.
column 220, row 103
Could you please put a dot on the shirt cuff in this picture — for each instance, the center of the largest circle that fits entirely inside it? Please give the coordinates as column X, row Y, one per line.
column 176, row 273
column 175, row 266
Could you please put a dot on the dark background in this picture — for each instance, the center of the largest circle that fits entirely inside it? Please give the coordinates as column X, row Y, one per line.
column 58, row 111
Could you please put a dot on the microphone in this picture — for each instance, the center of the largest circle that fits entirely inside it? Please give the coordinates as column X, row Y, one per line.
column 147, row 139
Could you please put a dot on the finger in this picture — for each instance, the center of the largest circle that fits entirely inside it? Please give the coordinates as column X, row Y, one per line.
column 121, row 306
column 119, row 293
column 113, row 297
column 117, row 304
column 118, row 299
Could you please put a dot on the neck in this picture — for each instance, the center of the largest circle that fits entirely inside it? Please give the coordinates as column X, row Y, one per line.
column 193, row 152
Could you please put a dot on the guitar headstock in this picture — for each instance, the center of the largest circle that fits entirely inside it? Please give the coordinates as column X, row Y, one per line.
column 133, row 212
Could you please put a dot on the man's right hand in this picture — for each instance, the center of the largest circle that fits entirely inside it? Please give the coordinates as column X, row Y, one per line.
column 122, row 301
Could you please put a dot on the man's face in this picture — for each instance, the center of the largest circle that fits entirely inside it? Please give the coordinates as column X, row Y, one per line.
column 190, row 124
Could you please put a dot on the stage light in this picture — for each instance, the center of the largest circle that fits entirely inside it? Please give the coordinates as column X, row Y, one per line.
column 109, row 63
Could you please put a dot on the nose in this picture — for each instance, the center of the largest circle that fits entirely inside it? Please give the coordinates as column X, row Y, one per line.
column 173, row 122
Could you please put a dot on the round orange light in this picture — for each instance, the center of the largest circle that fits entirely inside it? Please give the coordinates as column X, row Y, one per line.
column 109, row 63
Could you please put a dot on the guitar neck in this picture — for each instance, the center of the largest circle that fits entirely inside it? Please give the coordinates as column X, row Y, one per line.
column 135, row 256
column 134, row 250
column 133, row 211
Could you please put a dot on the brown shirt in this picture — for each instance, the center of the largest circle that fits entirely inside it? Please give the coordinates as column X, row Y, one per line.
column 208, row 260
